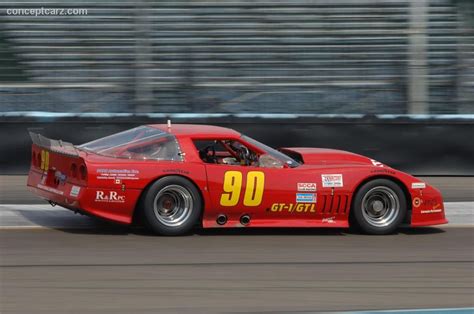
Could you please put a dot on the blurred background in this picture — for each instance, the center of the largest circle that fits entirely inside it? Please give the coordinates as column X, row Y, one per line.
column 391, row 79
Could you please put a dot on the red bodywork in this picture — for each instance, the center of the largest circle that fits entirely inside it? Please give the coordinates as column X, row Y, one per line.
column 111, row 187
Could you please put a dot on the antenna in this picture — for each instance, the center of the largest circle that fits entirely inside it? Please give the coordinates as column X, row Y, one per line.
column 169, row 124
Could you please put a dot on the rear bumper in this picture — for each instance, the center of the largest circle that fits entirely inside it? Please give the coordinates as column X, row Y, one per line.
column 57, row 195
column 107, row 203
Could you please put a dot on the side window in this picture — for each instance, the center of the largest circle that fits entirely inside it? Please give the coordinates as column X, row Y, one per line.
column 210, row 150
column 226, row 152
column 166, row 149
column 140, row 143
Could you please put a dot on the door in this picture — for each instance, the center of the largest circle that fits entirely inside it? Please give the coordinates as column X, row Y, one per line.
column 266, row 194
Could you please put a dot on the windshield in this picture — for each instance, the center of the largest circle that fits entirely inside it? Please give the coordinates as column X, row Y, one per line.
column 272, row 152
column 141, row 143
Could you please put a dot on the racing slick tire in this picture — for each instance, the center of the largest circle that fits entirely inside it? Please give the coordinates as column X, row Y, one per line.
column 171, row 206
column 379, row 207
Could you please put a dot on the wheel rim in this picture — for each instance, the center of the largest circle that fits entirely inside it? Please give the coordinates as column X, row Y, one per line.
column 173, row 205
column 380, row 206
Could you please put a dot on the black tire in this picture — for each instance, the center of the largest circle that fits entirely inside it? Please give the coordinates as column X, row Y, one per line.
column 164, row 203
column 379, row 207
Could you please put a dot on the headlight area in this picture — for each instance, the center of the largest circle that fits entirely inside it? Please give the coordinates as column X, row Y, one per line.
column 427, row 205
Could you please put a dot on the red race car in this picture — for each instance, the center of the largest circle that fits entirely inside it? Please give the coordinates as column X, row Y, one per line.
column 178, row 176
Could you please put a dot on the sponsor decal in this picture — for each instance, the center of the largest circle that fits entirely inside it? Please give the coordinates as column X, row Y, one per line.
column 110, row 197
column 75, row 190
column 61, row 177
column 329, row 220
column 306, row 187
column 121, row 174
column 376, row 163
column 305, row 198
column 176, row 171
column 431, row 202
column 383, row 170
column 50, row 189
column 332, row 180
column 44, row 164
column 417, row 202
column 293, row 208
column 432, row 211
column 418, row 185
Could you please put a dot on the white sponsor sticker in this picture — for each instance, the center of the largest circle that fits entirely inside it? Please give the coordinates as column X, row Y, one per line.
column 117, row 174
column 418, row 185
column 75, row 190
column 376, row 163
column 332, row 180
column 50, row 189
column 306, row 187
column 305, row 198
column 329, row 220
column 432, row 211
column 109, row 197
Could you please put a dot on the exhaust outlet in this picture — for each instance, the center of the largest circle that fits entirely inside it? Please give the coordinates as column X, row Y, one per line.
column 245, row 220
column 221, row 219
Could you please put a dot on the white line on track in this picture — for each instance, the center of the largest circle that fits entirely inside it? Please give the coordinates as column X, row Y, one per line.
column 406, row 311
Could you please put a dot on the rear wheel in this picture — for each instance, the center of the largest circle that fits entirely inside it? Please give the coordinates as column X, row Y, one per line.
column 379, row 207
column 172, row 206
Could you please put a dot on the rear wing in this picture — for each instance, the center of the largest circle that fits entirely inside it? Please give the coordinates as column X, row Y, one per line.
column 56, row 146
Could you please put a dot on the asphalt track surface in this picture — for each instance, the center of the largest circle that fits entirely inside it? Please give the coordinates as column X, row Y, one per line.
column 115, row 271
column 52, row 261
column 105, row 268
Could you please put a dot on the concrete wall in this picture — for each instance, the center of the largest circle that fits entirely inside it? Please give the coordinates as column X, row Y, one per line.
column 422, row 146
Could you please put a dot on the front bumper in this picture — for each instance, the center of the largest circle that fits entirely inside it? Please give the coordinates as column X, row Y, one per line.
column 427, row 207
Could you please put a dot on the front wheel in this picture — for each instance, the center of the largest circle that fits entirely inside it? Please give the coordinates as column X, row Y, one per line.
column 379, row 207
column 172, row 206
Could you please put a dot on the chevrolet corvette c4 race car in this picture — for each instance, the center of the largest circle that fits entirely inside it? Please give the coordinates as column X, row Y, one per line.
column 176, row 177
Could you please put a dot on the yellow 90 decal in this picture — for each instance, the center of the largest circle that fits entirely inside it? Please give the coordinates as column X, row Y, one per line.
column 233, row 184
column 44, row 160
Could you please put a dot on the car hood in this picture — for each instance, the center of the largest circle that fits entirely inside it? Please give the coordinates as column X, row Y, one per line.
column 324, row 156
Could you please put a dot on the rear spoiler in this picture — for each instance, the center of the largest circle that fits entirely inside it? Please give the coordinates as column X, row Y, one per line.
column 56, row 146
